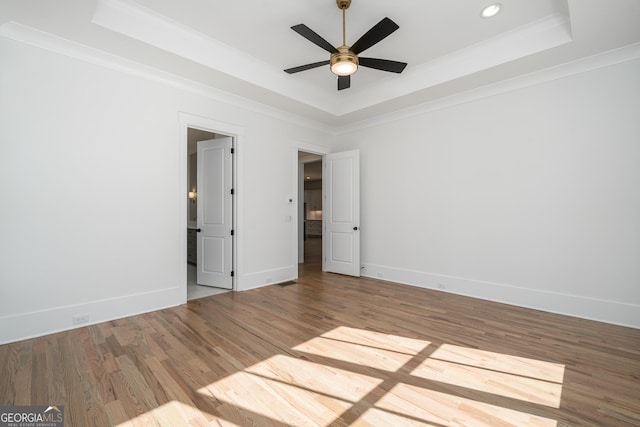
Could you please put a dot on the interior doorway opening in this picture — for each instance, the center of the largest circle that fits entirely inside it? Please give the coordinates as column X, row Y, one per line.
column 309, row 212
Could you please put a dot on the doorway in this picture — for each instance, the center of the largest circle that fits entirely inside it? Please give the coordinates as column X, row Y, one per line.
column 338, row 216
column 195, row 172
column 309, row 212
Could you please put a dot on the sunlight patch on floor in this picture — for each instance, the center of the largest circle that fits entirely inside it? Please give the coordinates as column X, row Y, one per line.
column 291, row 389
column 391, row 380
column 315, row 377
column 545, row 371
column 377, row 340
column 521, row 383
column 408, row 405
column 366, row 348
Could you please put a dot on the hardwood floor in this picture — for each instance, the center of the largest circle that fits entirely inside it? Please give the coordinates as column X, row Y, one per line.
column 333, row 351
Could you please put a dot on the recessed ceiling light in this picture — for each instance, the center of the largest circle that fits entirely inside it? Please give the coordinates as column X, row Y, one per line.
column 491, row 10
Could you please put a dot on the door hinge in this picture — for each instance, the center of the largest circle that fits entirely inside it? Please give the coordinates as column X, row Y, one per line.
column 232, row 274
column 233, row 150
column 232, row 232
column 232, row 192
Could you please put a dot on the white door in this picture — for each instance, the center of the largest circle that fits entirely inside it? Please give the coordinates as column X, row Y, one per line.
column 215, row 204
column 341, row 213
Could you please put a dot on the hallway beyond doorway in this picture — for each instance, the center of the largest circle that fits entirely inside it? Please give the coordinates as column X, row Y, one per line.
column 312, row 256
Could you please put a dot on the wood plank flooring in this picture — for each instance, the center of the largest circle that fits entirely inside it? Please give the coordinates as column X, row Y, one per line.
column 333, row 351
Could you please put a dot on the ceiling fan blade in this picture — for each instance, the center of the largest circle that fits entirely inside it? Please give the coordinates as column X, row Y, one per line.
column 313, row 37
column 306, row 67
column 344, row 82
column 383, row 64
column 379, row 31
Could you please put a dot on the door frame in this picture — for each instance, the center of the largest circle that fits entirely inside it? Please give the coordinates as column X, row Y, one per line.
column 186, row 121
column 299, row 200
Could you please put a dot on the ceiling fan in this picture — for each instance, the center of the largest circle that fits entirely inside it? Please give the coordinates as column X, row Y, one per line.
column 344, row 60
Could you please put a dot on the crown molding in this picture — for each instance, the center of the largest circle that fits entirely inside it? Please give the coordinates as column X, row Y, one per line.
column 40, row 39
column 140, row 23
column 55, row 44
column 609, row 58
column 543, row 34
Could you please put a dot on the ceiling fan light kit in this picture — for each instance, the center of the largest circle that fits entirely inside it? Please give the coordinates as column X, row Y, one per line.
column 344, row 60
column 344, row 63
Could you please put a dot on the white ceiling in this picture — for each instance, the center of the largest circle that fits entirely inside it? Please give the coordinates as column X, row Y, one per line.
column 242, row 47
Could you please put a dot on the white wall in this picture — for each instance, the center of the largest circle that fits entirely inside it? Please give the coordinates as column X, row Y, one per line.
column 530, row 197
column 92, row 218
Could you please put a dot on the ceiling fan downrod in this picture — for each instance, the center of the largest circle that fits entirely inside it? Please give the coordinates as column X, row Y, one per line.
column 344, row 5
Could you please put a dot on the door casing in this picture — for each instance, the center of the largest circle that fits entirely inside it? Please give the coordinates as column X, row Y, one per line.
column 186, row 121
column 297, row 182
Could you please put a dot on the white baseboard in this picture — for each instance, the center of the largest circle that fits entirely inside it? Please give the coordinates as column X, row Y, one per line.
column 30, row 325
column 38, row 323
column 613, row 312
column 268, row 277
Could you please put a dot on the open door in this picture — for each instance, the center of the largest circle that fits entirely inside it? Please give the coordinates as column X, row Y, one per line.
column 215, row 207
column 341, row 213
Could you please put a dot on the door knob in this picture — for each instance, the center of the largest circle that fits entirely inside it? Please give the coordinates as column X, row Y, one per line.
column 198, row 230
column 355, row 228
